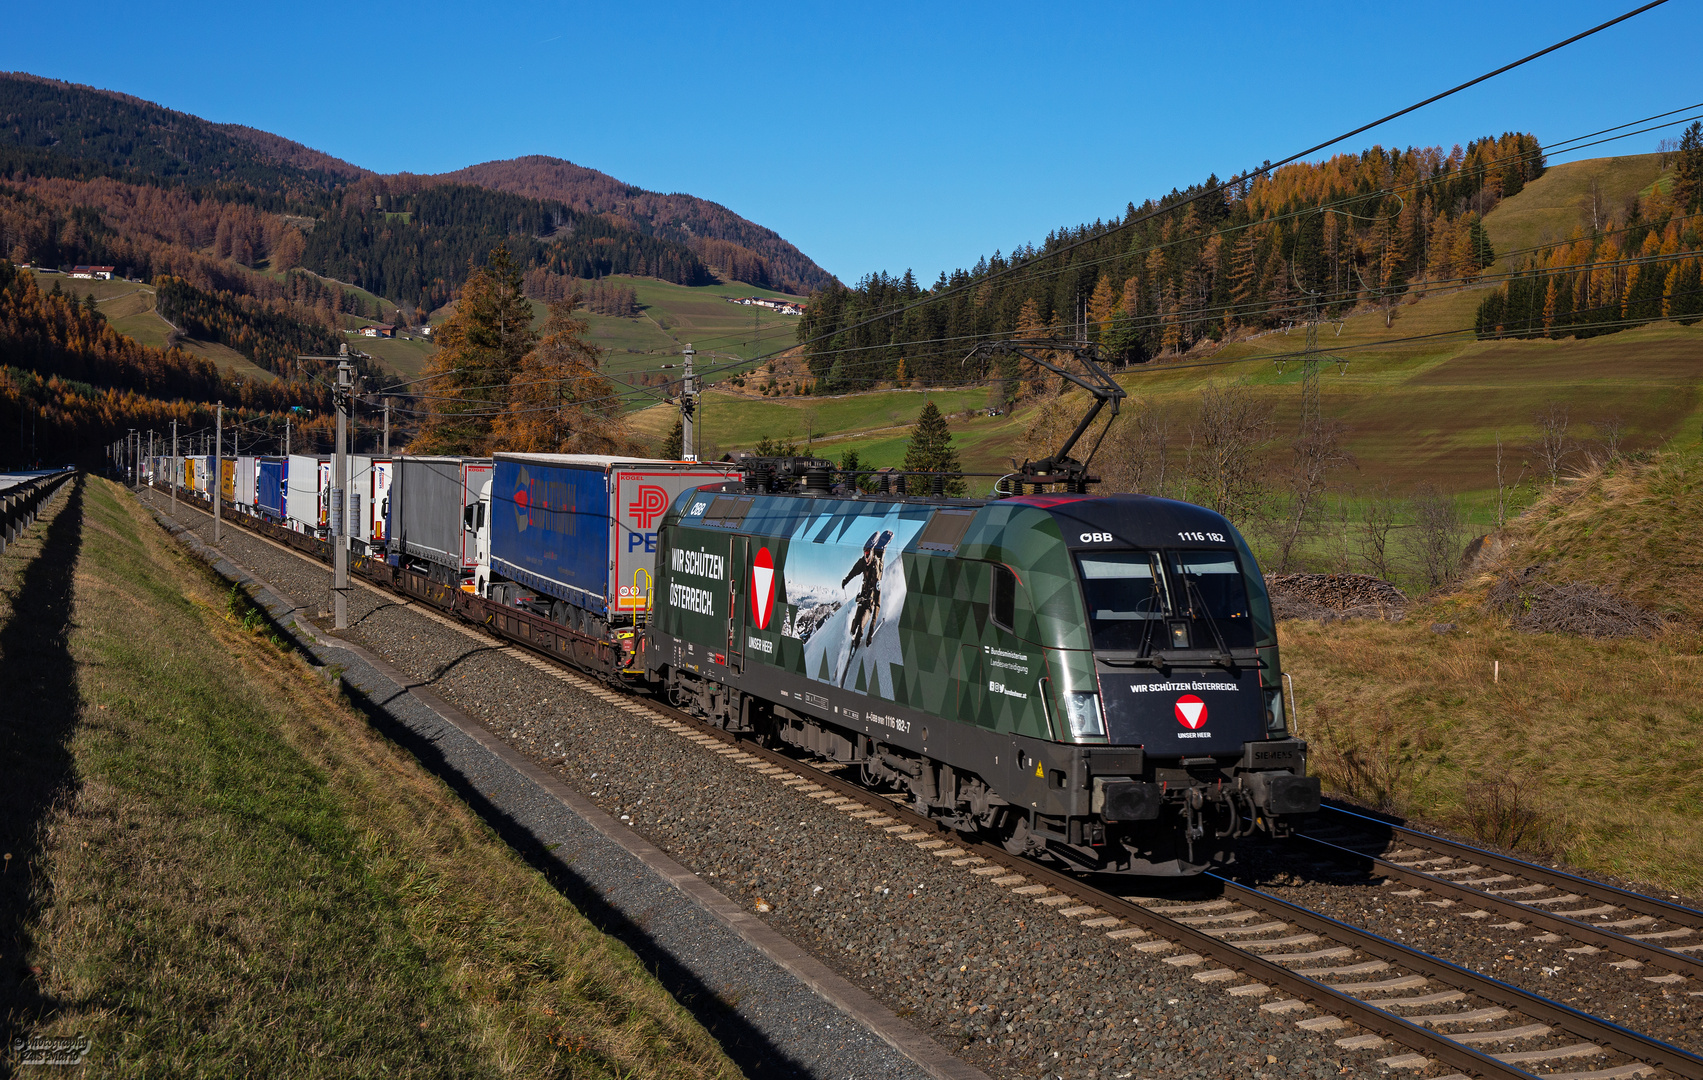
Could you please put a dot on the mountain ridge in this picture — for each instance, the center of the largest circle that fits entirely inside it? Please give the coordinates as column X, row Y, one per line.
column 702, row 225
column 55, row 127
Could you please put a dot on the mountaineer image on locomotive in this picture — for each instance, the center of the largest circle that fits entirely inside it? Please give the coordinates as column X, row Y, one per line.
column 1091, row 679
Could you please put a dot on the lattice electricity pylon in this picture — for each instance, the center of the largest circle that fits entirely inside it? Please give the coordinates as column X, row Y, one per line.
column 1311, row 417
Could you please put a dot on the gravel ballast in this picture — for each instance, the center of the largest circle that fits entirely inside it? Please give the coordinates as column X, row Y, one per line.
column 1013, row 986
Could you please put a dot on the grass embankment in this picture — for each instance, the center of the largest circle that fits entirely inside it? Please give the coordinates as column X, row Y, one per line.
column 1588, row 749
column 231, row 873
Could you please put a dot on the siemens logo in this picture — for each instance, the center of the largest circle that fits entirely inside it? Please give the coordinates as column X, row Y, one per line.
column 699, row 563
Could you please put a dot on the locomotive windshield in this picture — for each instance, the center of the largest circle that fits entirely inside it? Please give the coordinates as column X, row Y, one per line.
column 1126, row 596
column 1143, row 601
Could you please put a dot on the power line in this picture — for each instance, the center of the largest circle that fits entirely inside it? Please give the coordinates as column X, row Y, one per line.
column 1242, row 178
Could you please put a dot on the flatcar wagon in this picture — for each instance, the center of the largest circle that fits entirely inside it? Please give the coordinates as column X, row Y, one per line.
column 1093, row 679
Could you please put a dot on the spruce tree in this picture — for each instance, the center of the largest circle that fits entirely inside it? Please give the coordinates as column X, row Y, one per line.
column 931, row 449
column 1688, row 169
column 674, row 446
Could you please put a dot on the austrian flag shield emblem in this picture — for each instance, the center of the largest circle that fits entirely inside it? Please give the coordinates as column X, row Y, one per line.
column 1191, row 712
column 762, row 588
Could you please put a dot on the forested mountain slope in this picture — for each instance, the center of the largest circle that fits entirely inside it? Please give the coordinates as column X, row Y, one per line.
column 1194, row 268
column 738, row 249
column 54, row 128
column 260, row 249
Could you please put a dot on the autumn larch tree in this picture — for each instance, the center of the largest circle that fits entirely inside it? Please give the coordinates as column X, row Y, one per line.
column 483, row 343
column 559, row 402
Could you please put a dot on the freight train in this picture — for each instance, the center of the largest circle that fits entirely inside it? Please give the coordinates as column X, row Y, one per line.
column 1093, row 680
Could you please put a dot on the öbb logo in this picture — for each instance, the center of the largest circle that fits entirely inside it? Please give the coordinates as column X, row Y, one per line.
column 649, row 506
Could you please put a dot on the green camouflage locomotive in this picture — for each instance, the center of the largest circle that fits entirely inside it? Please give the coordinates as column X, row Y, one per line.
column 1092, row 679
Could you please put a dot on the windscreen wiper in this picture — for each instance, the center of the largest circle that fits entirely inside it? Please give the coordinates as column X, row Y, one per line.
column 1224, row 658
column 1155, row 660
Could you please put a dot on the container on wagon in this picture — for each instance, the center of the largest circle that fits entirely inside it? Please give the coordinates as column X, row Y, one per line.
column 269, row 486
column 304, row 502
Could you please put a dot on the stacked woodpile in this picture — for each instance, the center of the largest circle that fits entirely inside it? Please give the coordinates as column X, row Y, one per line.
column 1328, row 597
column 1544, row 607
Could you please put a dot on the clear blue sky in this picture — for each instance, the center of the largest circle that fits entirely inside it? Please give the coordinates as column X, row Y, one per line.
column 873, row 135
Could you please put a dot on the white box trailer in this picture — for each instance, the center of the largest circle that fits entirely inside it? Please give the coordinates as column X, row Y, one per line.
column 238, row 488
column 369, row 490
column 306, row 500
column 358, row 522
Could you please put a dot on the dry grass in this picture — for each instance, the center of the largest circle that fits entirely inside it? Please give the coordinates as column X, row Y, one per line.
column 1630, row 528
column 1586, row 748
column 247, row 880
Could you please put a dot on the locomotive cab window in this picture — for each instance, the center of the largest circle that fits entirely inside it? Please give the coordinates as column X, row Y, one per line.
column 1127, row 595
column 1004, row 597
column 1214, row 592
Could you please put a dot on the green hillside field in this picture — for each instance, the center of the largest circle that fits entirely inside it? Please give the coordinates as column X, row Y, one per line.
column 1415, row 411
column 129, row 309
column 670, row 316
column 1549, row 208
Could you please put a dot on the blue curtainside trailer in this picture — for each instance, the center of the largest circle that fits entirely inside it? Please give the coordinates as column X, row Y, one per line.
column 581, row 528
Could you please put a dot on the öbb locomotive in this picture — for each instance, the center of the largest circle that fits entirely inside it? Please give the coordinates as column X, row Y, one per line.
column 1091, row 679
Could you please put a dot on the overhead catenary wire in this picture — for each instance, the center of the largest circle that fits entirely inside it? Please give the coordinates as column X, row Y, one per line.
column 1263, row 169
column 1219, row 310
column 1029, row 262
column 1337, row 206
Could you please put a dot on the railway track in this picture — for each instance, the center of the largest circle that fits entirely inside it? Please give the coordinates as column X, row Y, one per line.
column 1325, row 972
column 1643, row 929
column 1490, row 1028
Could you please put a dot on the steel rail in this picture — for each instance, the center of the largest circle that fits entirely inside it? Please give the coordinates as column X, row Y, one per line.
column 1560, row 879
column 1555, row 922
column 1624, row 1040
column 1366, row 1014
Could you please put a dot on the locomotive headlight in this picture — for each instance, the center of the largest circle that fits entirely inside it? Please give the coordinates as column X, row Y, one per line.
column 1275, row 722
column 1084, row 713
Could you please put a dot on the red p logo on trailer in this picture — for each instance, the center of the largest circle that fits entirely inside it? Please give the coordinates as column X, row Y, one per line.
column 1191, row 712
column 649, row 506
column 762, row 588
